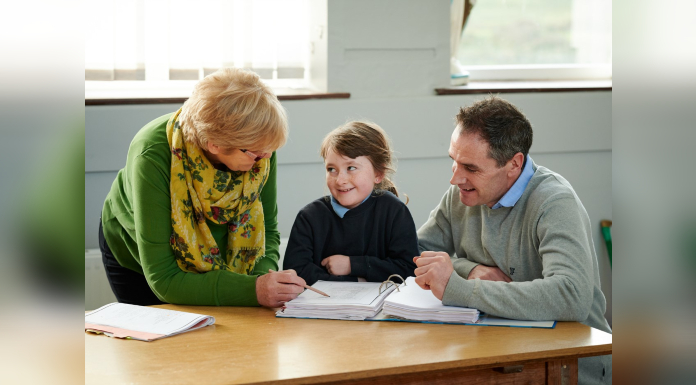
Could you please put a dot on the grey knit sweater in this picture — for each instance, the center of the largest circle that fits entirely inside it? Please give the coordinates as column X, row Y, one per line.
column 543, row 243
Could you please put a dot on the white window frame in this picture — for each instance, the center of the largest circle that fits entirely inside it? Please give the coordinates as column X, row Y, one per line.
column 540, row 72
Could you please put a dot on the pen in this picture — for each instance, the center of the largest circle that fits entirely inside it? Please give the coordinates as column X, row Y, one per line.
column 306, row 286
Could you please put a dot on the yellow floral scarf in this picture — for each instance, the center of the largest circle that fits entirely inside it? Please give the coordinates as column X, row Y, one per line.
column 198, row 192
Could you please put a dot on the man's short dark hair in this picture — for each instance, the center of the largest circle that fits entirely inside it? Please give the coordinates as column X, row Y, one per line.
column 499, row 123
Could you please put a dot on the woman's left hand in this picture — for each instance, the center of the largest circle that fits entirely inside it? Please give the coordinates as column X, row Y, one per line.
column 337, row 264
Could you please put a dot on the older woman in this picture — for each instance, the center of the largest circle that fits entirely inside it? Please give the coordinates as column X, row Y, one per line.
column 192, row 217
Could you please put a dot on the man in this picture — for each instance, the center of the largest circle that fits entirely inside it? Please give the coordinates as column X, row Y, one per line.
column 522, row 238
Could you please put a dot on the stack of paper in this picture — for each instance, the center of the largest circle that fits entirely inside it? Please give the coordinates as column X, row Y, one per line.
column 413, row 303
column 141, row 322
column 347, row 301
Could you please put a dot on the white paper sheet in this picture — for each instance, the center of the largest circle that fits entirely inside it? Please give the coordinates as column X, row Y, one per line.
column 146, row 319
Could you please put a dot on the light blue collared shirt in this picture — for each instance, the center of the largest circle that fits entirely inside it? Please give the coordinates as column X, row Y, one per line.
column 340, row 210
column 515, row 192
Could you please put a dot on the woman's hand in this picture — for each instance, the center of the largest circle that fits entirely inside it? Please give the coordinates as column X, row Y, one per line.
column 337, row 264
column 277, row 287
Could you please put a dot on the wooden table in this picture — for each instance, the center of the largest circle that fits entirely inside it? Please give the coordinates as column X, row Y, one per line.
column 250, row 345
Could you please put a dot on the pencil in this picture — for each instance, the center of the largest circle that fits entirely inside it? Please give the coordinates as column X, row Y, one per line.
column 306, row 286
column 316, row 291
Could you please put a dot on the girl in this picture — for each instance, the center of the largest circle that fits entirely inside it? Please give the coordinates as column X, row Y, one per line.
column 362, row 231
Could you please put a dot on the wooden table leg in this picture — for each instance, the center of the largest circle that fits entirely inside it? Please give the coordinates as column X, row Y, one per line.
column 562, row 372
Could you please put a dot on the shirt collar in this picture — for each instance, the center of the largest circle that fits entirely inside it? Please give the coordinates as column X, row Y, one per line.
column 340, row 210
column 515, row 192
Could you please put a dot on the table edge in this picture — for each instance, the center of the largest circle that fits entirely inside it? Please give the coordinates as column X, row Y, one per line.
column 468, row 365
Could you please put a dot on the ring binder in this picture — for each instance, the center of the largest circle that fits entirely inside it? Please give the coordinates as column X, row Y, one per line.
column 357, row 301
column 388, row 281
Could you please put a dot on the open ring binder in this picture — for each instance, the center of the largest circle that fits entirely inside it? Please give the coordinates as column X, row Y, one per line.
column 388, row 281
column 375, row 301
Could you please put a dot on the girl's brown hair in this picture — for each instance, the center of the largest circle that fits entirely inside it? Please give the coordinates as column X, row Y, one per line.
column 361, row 138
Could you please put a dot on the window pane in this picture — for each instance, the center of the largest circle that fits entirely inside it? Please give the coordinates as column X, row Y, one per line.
column 511, row 32
column 184, row 40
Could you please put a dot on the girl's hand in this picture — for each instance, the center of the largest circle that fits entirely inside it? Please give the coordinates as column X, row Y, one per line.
column 337, row 264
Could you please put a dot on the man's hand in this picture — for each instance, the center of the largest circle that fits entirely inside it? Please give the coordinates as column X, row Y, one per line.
column 488, row 273
column 277, row 287
column 337, row 264
column 433, row 271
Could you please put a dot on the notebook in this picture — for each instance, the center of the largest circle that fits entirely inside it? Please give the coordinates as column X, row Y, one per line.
column 142, row 323
column 389, row 301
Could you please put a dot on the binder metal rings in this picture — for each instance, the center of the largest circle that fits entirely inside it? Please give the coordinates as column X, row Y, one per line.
column 388, row 281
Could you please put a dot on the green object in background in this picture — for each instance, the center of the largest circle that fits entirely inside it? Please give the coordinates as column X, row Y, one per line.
column 606, row 232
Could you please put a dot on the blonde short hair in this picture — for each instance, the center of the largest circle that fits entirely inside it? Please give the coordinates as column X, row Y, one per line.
column 232, row 108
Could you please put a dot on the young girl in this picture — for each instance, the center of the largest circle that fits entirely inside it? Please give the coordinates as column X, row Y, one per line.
column 362, row 230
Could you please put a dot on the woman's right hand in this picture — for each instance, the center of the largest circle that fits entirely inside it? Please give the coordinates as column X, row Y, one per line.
column 277, row 287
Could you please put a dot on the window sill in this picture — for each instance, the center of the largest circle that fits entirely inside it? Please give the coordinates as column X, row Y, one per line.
column 103, row 99
column 485, row 87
